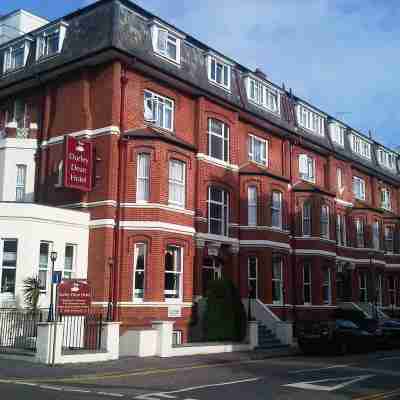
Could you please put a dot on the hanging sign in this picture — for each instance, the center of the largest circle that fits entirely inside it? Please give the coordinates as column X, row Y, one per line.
column 74, row 297
column 78, row 164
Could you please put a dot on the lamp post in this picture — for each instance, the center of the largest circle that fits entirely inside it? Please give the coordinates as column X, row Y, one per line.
column 53, row 258
column 109, row 305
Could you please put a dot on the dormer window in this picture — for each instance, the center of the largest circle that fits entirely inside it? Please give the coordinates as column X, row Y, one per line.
column 219, row 72
column 337, row 133
column 50, row 41
column 166, row 42
column 15, row 56
column 310, row 120
column 263, row 95
column 386, row 159
column 360, row 146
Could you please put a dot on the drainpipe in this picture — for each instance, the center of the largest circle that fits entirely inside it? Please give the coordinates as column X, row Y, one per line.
column 116, row 249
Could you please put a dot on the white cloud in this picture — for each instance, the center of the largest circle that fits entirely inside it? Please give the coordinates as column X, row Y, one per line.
column 340, row 55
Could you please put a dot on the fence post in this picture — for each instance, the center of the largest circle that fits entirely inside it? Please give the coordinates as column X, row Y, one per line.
column 46, row 334
column 110, row 338
column 164, row 340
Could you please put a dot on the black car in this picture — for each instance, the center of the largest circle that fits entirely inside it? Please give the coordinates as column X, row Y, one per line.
column 339, row 336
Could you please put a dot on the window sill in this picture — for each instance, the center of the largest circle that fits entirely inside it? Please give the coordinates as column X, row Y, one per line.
column 48, row 57
column 166, row 58
column 310, row 131
column 260, row 164
column 217, row 162
column 264, row 108
column 160, row 129
column 220, row 86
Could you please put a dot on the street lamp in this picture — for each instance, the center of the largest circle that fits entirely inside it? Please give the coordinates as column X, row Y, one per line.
column 53, row 258
column 109, row 305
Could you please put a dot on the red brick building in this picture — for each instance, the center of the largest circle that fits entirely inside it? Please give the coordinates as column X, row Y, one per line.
column 203, row 169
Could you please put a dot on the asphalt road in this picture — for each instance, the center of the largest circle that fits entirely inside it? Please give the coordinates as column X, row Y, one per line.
column 374, row 376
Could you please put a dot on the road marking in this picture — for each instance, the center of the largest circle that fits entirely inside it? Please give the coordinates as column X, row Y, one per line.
column 389, row 358
column 379, row 396
column 168, row 395
column 110, row 394
column 313, row 385
column 299, row 371
column 46, row 387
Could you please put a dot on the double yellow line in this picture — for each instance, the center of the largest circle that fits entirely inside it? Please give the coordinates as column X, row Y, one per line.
column 380, row 396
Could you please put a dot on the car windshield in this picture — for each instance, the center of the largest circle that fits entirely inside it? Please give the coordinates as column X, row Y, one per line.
column 342, row 323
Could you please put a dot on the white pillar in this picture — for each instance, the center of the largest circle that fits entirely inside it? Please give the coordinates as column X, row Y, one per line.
column 164, row 341
column 110, row 339
column 252, row 327
column 284, row 332
column 49, row 342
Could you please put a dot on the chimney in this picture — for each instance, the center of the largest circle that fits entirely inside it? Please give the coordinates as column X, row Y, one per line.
column 260, row 73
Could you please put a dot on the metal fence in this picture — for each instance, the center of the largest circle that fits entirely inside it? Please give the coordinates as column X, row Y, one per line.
column 82, row 332
column 18, row 330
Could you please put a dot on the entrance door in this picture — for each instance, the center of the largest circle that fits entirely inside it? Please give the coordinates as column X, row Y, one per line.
column 211, row 271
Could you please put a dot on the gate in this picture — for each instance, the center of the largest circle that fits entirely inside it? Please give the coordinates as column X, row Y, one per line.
column 82, row 332
column 18, row 330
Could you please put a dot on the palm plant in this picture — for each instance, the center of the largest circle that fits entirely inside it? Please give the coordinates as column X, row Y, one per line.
column 31, row 292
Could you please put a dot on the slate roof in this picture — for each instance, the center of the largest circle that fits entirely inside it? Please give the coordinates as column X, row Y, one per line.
column 123, row 26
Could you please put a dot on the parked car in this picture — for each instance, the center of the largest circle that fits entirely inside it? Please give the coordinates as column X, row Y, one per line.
column 339, row 336
column 390, row 332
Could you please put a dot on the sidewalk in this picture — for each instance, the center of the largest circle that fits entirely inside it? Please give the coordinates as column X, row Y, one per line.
column 34, row 372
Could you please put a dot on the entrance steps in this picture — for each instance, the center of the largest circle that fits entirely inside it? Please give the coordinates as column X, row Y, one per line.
column 267, row 340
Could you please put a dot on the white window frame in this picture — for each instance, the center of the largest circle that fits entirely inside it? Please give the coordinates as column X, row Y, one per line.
column 252, row 141
column 224, row 204
column 3, row 267
column 386, row 201
column 45, row 267
column 307, row 168
column 161, row 38
column 360, row 146
column 224, row 138
column 341, row 238
column 9, row 60
column 360, row 232
column 42, row 45
column 363, row 286
column 324, row 221
column 276, row 209
column 138, row 294
column 156, row 108
column 68, row 273
column 386, row 159
column 310, row 120
column 252, row 278
column 307, row 265
column 175, row 184
column 20, row 183
column 359, row 188
column 277, row 281
column 176, row 273
column 339, row 179
column 213, row 63
column 337, row 132
column 389, row 238
column 143, row 179
column 12, row 114
column 262, row 94
column 376, row 240
column 327, row 285
column 252, row 209
column 306, row 220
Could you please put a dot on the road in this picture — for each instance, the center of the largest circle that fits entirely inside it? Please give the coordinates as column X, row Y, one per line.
column 374, row 376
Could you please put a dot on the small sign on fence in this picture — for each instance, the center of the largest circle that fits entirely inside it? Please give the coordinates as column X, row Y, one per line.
column 57, row 276
column 74, row 297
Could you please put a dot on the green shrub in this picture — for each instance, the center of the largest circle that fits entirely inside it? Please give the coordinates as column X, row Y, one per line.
column 225, row 317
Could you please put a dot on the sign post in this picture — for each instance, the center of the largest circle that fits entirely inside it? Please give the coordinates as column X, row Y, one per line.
column 74, row 297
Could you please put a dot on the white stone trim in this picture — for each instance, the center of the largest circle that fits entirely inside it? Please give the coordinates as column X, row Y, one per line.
column 216, row 162
column 201, row 219
column 87, row 133
column 361, row 260
column 314, row 252
column 314, row 238
column 128, row 304
column 264, row 243
column 102, row 223
column 157, row 226
column 393, row 265
column 159, row 206
column 216, row 238
column 13, row 143
column 262, row 228
column 343, row 202
column 93, row 204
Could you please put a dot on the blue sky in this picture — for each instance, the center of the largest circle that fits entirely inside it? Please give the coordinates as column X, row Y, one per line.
column 341, row 55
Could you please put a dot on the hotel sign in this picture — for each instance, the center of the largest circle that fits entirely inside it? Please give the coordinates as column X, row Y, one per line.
column 78, row 164
column 74, row 297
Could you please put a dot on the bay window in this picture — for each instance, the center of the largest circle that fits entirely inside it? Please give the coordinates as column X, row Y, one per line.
column 252, row 264
column 326, row 286
column 363, row 286
column 8, row 264
column 359, row 225
column 306, row 219
column 258, row 150
column 143, row 178
column 325, row 221
column 389, row 238
column 252, row 206
column 173, row 272
column 276, row 210
column 218, row 211
column 341, row 229
column 359, row 188
column 307, row 282
column 177, row 183
column 376, row 235
column 386, row 202
column 139, row 270
column 277, row 280
column 218, row 140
